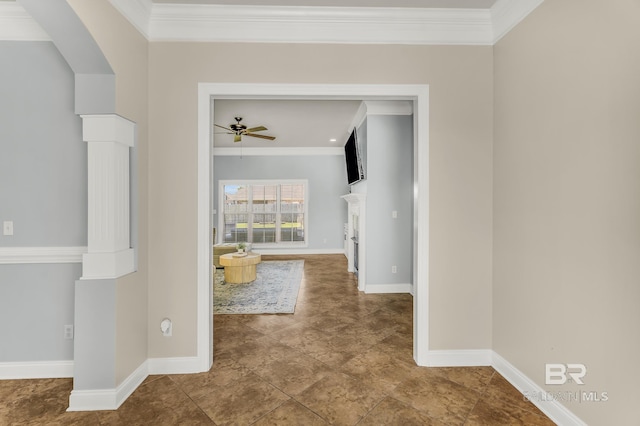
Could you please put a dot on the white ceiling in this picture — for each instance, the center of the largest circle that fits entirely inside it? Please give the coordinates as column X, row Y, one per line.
column 294, row 123
column 449, row 4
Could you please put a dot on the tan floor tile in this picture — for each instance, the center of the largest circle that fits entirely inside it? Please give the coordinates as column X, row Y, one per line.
column 501, row 393
column 241, row 402
column 398, row 345
column 291, row 413
column 159, row 402
column 259, row 352
column 302, row 337
column 39, row 402
column 340, row 399
column 393, row 412
column 379, row 369
column 295, row 373
column 486, row 414
column 476, row 378
column 224, row 371
column 438, row 397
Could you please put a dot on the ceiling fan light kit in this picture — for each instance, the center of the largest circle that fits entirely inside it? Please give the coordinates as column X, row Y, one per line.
column 239, row 130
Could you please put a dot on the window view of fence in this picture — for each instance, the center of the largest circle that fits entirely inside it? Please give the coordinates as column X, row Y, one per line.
column 264, row 213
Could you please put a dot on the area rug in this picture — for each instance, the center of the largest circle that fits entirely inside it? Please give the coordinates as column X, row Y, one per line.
column 274, row 291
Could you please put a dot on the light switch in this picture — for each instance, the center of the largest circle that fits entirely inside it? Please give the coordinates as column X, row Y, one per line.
column 394, row 214
column 7, row 227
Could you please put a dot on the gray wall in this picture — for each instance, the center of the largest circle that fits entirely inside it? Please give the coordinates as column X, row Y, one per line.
column 36, row 301
column 43, row 176
column 43, row 191
column 388, row 143
column 327, row 176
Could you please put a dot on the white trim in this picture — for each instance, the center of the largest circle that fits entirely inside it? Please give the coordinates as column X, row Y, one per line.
column 108, row 399
column 296, row 24
column 138, row 12
column 460, row 358
column 388, row 288
column 204, row 260
column 358, row 119
column 357, row 207
column 111, row 265
column 506, row 14
column 557, row 412
column 108, row 128
column 36, row 370
column 18, row 255
column 312, row 24
column 207, row 92
column 281, row 151
column 421, row 206
column 109, row 138
column 178, row 365
column 17, row 25
column 388, row 108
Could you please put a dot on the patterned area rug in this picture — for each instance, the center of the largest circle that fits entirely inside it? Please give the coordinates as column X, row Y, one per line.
column 274, row 291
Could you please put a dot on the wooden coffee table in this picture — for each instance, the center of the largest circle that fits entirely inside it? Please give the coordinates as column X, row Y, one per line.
column 239, row 269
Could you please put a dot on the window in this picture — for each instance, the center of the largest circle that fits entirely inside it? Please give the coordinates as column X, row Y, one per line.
column 263, row 212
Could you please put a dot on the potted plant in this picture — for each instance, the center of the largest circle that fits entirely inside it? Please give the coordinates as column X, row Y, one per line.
column 241, row 247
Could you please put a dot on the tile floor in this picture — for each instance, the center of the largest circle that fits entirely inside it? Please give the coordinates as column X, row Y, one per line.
column 343, row 358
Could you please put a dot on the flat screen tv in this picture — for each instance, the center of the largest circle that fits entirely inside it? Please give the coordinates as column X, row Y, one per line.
column 355, row 171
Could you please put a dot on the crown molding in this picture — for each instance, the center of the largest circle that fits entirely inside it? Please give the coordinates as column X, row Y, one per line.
column 506, row 14
column 306, row 24
column 138, row 12
column 298, row 24
column 17, row 25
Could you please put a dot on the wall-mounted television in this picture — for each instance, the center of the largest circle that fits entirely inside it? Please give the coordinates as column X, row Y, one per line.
column 355, row 171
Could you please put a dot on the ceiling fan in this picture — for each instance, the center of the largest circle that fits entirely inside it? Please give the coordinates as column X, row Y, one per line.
column 238, row 130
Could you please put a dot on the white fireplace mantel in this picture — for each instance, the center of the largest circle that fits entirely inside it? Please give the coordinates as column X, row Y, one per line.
column 356, row 225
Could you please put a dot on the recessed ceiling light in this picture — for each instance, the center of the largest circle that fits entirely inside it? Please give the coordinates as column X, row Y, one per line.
column 333, row 140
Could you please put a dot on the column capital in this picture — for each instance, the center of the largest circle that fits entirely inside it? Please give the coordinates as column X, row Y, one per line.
column 108, row 128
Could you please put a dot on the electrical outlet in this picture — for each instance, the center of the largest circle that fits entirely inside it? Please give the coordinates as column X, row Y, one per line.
column 68, row 331
column 166, row 327
column 7, row 227
column 394, row 269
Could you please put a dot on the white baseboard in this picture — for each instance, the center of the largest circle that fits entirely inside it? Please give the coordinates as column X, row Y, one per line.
column 553, row 409
column 108, row 399
column 36, row 370
column 486, row 357
column 387, row 288
column 181, row 365
column 460, row 358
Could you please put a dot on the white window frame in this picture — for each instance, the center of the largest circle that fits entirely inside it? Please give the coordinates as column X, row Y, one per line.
column 266, row 182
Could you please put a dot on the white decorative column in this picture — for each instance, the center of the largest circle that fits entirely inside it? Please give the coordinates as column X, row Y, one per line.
column 109, row 254
column 356, row 226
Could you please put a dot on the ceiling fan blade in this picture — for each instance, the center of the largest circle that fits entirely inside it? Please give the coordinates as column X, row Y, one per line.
column 223, row 133
column 222, row 127
column 237, row 138
column 256, row 129
column 253, row 135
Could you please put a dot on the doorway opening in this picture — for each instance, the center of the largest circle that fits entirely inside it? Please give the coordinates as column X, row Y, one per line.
column 209, row 92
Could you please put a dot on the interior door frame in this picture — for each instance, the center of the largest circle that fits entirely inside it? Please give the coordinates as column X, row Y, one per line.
column 209, row 92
